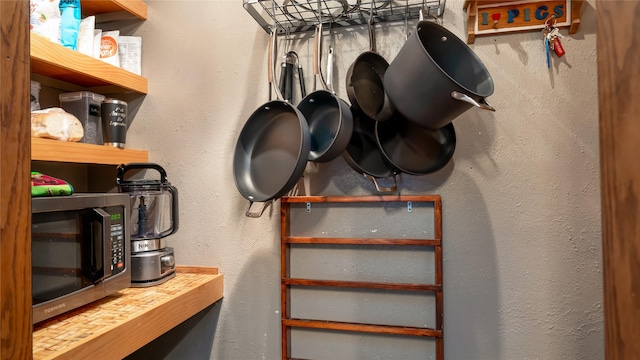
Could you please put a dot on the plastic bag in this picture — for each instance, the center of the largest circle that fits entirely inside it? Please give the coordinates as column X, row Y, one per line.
column 69, row 23
column 44, row 19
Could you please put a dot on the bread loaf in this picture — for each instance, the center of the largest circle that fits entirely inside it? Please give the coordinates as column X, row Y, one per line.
column 55, row 123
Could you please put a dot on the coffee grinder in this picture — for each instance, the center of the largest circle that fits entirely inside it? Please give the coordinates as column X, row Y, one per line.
column 154, row 216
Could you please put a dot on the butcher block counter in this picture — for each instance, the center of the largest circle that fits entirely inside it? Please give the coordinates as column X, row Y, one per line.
column 118, row 325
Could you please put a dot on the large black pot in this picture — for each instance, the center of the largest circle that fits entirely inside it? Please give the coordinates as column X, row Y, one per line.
column 436, row 77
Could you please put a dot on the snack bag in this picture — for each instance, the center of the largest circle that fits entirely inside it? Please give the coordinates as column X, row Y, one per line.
column 44, row 19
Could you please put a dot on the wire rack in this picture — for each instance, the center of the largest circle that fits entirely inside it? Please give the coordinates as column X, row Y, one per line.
column 302, row 15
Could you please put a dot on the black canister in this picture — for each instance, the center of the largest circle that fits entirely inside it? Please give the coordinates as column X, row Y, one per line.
column 114, row 122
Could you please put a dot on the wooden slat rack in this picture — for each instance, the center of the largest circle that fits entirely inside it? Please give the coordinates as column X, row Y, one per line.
column 286, row 281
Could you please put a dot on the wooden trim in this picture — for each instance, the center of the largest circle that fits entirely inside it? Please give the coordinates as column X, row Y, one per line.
column 618, row 87
column 74, row 152
column 360, row 241
column 185, row 269
column 362, row 285
column 137, row 8
column 284, row 273
column 360, row 199
column 15, row 201
column 357, row 327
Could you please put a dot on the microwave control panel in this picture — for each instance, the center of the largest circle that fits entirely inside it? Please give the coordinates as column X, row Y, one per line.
column 117, row 240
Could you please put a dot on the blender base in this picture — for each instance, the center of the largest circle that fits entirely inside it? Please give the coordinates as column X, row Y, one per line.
column 151, row 268
column 147, row 283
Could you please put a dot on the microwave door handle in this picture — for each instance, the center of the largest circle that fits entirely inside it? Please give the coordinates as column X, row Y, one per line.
column 104, row 247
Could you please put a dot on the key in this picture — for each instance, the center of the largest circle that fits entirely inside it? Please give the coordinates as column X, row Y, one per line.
column 545, row 38
column 555, row 32
column 546, row 47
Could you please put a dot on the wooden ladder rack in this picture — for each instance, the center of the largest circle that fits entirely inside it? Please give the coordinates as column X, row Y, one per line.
column 286, row 281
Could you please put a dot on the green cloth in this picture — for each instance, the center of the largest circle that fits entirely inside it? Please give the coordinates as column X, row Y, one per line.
column 45, row 185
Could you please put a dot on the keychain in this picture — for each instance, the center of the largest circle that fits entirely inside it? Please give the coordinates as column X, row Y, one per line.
column 551, row 39
column 557, row 45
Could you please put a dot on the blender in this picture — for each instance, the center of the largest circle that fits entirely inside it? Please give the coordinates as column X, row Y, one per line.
column 154, row 216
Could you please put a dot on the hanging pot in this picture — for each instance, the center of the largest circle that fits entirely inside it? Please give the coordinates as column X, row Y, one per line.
column 329, row 118
column 436, row 77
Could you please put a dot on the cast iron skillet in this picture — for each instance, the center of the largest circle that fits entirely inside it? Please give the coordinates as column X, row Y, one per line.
column 414, row 149
column 365, row 82
column 272, row 149
column 364, row 155
column 329, row 118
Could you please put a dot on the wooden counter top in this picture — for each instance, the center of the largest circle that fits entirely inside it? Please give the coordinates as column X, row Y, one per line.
column 120, row 324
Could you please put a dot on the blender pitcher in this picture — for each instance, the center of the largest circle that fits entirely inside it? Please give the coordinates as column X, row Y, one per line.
column 154, row 207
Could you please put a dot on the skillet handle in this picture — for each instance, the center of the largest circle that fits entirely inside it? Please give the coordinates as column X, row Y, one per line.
column 483, row 104
column 257, row 214
column 384, row 189
column 303, row 90
column 271, row 63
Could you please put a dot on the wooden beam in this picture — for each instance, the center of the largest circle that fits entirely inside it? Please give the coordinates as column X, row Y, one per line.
column 15, row 200
column 618, row 35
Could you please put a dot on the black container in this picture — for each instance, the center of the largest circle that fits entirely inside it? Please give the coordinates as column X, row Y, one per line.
column 114, row 122
column 436, row 77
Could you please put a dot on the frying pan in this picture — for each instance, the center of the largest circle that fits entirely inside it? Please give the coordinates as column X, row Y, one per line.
column 414, row 149
column 329, row 118
column 272, row 149
column 363, row 154
column 365, row 81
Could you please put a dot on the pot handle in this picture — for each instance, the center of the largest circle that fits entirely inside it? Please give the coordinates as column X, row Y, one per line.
column 257, row 214
column 384, row 189
column 483, row 104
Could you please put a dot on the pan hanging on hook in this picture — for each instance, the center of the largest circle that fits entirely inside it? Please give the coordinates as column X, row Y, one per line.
column 364, row 81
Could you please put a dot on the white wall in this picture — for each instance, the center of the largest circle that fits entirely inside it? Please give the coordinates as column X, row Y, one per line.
column 521, row 199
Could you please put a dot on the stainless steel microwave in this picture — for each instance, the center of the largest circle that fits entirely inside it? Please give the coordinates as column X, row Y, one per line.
column 80, row 250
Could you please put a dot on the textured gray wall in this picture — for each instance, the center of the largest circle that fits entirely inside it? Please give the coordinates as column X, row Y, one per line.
column 521, row 206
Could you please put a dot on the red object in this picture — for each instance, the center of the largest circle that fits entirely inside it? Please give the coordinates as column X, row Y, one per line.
column 557, row 47
column 495, row 16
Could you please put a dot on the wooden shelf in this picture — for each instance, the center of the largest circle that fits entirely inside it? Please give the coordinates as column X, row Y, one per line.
column 120, row 324
column 136, row 8
column 64, row 151
column 56, row 61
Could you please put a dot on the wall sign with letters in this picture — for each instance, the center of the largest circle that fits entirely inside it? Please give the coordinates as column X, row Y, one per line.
column 492, row 17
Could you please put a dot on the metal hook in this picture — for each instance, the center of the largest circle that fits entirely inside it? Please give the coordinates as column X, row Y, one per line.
column 552, row 17
column 406, row 21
